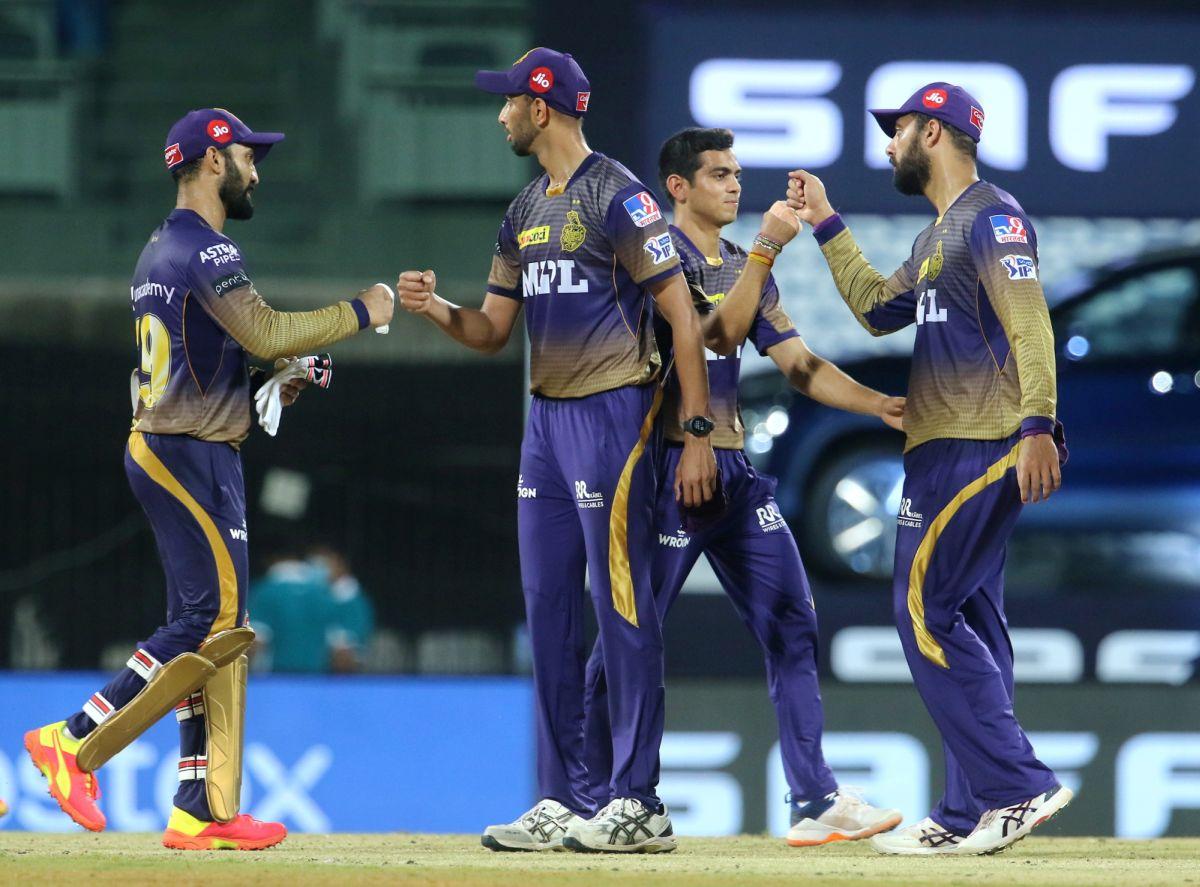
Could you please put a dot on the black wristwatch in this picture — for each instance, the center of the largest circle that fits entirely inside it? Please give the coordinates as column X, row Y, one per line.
column 698, row 426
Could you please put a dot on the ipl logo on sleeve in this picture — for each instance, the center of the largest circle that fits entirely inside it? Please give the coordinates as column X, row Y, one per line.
column 643, row 209
column 660, row 248
column 1019, row 267
column 1009, row 229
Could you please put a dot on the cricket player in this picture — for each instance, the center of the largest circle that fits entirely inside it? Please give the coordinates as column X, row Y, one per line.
column 584, row 247
column 196, row 315
column 749, row 545
column 981, row 440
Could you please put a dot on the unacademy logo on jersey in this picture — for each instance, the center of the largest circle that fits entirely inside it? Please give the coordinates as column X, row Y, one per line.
column 157, row 290
column 908, row 517
column 586, row 499
column 220, row 254
column 524, row 492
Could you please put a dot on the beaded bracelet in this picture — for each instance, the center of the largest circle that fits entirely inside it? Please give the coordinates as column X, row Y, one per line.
column 759, row 240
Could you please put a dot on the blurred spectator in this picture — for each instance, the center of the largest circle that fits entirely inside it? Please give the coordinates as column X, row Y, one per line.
column 292, row 610
column 353, row 616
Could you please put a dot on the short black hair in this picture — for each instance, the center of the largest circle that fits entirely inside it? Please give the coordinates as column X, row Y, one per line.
column 187, row 171
column 959, row 139
column 680, row 154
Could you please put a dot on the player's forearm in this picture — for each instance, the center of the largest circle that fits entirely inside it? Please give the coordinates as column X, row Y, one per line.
column 690, row 365
column 727, row 327
column 271, row 334
column 862, row 288
column 1032, row 339
column 468, row 326
column 826, row 383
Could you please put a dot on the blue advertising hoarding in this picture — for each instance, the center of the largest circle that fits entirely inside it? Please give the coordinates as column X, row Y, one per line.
column 1073, row 100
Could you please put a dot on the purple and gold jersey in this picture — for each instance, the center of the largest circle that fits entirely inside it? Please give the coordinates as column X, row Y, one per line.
column 194, row 308
column 709, row 279
column 983, row 362
column 581, row 261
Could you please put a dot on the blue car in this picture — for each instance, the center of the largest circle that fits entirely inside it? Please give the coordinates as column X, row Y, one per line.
column 1128, row 340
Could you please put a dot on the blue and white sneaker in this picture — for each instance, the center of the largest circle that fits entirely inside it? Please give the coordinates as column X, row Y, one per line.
column 625, row 826
column 839, row 816
column 542, row 827
column 925, row 838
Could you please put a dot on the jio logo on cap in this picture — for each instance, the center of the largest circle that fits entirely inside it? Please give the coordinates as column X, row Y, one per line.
column 220, row 131
column 541, row 79
column 935, row 98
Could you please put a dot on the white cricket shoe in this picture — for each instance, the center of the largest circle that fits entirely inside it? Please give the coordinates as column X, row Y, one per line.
column 625, row 826
column 540, row 828
column 926, row 838
column 1000, row 829
column 840, row 816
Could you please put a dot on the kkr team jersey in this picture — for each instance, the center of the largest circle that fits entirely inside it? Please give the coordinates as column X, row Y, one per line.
column 581, row 261
column 710, row 279
column 195, row 314
column 983, row 362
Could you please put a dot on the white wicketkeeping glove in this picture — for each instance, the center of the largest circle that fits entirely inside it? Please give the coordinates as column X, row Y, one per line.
column 268, row 400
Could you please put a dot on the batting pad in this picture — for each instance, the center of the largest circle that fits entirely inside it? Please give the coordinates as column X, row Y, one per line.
column 184, row 674
column 225, row 720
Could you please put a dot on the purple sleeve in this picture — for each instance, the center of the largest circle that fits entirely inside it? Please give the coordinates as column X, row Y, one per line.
column 771, row 324
column 638, row 233
column 505, row 276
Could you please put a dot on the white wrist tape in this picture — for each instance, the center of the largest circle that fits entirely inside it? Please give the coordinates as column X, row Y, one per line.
column 383, row 330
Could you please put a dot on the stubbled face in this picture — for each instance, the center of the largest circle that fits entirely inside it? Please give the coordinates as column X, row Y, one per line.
column 516, row 119
column 238, row 183
column 716, row 188
column 910, row 161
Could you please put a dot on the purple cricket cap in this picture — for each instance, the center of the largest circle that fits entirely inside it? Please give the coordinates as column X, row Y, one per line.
column 543, row 74
column 196, row 131
column 945, row 101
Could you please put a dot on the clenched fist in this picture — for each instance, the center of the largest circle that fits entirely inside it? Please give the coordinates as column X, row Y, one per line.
column 378, row 300
column 416, row 291
column 806, row 195
column 780, row 223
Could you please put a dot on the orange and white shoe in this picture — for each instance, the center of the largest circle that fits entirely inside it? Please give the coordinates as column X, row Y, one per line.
column 841, row 816
column 53, row 752
column 186, row 832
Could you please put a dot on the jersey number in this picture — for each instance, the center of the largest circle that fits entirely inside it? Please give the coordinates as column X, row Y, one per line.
column 927, row 309
column 155, row 344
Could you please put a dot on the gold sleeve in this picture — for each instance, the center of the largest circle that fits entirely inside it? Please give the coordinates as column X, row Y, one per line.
column 270, row 334
column 881, row 304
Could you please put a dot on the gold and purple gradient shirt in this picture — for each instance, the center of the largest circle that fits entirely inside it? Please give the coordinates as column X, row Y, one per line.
column 710, row 278
column 582, row 261
column 195, row 315
column 983, row 362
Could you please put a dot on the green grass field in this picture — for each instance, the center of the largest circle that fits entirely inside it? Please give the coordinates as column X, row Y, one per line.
column 458, row 859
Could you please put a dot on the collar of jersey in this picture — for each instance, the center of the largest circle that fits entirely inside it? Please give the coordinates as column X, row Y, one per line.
column 938, row 221
column 714, row 262
column 583, row 167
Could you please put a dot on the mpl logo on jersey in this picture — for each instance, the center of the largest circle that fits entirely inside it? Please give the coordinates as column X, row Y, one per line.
column 660, row 248
column 220, row 131
column 643, row 209
column 1009, row 229
column 584, row 498
column 551, row 276
column 1019, row 267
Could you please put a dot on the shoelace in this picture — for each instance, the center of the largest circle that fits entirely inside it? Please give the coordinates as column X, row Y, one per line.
column 91, row 787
